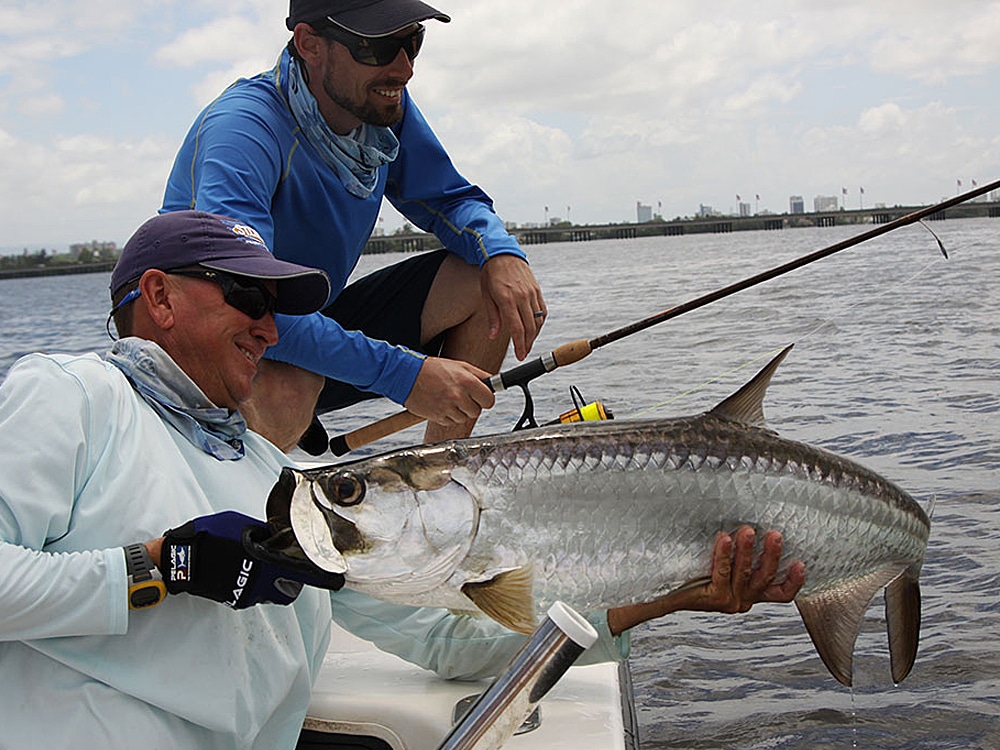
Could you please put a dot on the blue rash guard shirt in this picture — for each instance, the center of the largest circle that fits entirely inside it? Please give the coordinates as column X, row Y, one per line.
column 245, row 157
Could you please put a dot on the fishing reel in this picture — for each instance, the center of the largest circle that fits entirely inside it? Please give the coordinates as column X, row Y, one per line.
column 595, row 411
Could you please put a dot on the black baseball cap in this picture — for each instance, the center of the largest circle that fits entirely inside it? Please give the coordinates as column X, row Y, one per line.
column 179, row 239
column 363, row 17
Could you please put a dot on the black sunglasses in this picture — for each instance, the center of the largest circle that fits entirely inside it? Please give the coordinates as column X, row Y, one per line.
column 248, row 296
column 375, row 51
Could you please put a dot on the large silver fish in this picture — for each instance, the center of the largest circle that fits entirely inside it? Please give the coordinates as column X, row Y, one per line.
column 603, row 514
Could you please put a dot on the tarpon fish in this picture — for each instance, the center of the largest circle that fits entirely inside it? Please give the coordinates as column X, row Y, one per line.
column 604, row 514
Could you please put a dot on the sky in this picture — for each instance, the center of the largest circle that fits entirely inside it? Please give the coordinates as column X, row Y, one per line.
column 576, row 109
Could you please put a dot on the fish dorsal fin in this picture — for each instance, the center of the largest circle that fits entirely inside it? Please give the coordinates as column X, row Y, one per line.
column 747, row 404
column 833, row 619
column 902, row 618
column 507, row 597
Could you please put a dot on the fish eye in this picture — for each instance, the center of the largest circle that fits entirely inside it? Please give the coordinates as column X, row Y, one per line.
column 344, row 489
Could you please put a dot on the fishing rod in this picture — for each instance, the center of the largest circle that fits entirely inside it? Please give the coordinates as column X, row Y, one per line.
column 574, row 351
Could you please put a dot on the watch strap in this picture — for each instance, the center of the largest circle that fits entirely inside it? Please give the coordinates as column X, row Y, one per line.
column 145, row 584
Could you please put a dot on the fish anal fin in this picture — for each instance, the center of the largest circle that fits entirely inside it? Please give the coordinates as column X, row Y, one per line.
column 902, row 617
column 746, row 406
column 508, row 598
column 833, row 619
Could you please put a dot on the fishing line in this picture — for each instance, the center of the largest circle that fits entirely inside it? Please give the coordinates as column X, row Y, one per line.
column 573, row 351
column 865, row 299
column 708, row 382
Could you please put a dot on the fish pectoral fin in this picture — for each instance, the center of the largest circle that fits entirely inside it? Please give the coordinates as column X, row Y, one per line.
column 833, row 619
column 508, row 598
column 902, row 617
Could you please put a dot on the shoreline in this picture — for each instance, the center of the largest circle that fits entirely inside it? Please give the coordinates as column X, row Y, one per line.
column 58, row 270
column 576, row 233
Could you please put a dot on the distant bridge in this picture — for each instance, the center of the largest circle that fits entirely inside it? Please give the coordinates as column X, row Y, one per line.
column 727, row 224
column 418, row 242
column 680, row 227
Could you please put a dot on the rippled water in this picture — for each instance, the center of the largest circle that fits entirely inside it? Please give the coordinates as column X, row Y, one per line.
column 896, row 364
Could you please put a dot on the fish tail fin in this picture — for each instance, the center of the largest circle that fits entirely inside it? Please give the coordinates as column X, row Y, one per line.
column 833, row 619
column 902, row 617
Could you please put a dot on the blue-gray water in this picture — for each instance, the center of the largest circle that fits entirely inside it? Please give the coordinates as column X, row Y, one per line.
column 896, row 364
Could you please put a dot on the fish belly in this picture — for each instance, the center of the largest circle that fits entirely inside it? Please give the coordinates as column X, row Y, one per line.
column 623, row 535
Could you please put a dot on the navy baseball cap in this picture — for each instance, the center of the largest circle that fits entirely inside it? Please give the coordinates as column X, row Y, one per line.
column 363, row 17
column 187, row 238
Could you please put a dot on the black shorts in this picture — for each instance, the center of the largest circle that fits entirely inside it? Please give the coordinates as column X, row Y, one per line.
column 384, row 305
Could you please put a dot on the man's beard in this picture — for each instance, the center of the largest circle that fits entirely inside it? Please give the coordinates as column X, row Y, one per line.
column 366, row 112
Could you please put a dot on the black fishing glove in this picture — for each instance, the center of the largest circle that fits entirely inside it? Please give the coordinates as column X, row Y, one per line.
column 222, row 557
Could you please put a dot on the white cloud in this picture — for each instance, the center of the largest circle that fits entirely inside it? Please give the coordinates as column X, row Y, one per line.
column 47, row 105
column 585, row 103
column 942, row 42
column 78, row 188
column 225, row 40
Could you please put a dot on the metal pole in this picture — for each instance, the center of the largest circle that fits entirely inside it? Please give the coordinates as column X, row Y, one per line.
column 512, row 696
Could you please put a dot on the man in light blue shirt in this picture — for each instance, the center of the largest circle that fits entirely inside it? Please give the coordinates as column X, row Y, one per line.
column 115, row 633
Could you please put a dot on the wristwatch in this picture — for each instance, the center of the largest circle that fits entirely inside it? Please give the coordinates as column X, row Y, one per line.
column 145, row 584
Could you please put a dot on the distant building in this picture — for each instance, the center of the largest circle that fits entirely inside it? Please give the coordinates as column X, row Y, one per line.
column 796, row 205
column 744, row 209
column 705, row 211
column 94, row 250
column 643, row 213
column 822, row 203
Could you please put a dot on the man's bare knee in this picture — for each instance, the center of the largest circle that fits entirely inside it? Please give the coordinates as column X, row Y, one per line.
column 455, row 296
column 283, row 401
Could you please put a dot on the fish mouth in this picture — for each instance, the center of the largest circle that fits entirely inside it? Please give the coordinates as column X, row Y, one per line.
column 409, row 539
column 300, row 525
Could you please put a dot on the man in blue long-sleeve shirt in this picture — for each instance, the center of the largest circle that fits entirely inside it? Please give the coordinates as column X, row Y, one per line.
column 305, row 153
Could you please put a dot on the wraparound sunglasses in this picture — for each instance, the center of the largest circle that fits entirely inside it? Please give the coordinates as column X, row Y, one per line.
column 246, row 295
column 376, row 51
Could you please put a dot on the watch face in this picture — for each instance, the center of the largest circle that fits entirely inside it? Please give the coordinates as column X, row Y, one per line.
column 145, row 595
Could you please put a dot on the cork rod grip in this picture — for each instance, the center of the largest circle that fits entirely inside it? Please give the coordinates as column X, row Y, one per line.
column 343, row 444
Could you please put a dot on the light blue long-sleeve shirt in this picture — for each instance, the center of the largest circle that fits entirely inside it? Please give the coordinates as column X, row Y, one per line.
column 89, row 467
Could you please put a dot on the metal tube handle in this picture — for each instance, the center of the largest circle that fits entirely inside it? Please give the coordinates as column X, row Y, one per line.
column 560, row 639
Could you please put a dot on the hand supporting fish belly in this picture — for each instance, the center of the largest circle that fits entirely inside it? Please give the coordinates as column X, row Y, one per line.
column 736, row 583
column 622, row 516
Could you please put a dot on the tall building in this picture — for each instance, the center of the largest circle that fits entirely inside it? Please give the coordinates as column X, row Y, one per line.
column 796, row 205
column 643, row 213
column 823, row 203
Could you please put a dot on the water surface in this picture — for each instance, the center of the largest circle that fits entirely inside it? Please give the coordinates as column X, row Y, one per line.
column 896, row 364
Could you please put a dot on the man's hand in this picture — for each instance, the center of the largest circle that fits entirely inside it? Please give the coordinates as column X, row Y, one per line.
column 735, row 585
column 450, row 393
column 510, row 286
column 221, row 557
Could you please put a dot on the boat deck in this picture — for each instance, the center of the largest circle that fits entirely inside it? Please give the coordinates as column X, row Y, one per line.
column 378, row 700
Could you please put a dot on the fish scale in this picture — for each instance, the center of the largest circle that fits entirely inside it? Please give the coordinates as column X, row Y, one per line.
column 601, row 515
